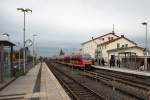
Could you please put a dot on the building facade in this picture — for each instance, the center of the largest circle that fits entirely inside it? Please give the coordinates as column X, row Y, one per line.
column 91, row 46
column 110, row 45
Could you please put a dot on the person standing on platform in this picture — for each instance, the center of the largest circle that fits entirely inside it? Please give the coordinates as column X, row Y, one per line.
column 99, row 60
column 103, row 62
column 118, row 63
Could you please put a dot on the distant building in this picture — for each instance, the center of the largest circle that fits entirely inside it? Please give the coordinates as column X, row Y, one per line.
column 61, row 52
column 91, row 46
column 110, row 45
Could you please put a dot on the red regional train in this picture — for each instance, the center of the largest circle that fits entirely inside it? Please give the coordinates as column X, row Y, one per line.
column 81, row 61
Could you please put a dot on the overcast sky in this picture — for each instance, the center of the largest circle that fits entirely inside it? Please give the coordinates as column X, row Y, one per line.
column 67, row 23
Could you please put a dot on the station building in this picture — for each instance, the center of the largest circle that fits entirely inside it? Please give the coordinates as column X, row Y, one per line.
column 91, row 46
column 112, row 45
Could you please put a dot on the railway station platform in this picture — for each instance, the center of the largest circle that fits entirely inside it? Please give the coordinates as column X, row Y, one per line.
column 123, row 70
column 39, row 83
column 51, row 86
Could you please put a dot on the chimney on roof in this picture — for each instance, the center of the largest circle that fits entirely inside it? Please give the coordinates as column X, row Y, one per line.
column 122, row 35
column 113, row 31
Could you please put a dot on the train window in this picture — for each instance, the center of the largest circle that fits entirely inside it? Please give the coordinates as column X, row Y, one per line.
column 86, row 57
column 78, row 58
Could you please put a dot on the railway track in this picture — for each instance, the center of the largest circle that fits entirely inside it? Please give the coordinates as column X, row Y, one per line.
column 123, row 80
column 114, row 82
column 125, row 85
column 77, row 91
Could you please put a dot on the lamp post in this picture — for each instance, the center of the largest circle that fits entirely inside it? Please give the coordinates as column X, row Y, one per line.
column 145, row 61
column 145, row 24
column 24, row 54
column 33, row 49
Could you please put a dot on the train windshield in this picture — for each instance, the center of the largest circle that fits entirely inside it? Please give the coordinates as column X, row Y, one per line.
column 86, row 57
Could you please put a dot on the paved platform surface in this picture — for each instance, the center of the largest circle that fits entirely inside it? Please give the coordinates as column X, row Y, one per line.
column 6, row 82
column 51, row 86
column 23, row 87
column 124, row 70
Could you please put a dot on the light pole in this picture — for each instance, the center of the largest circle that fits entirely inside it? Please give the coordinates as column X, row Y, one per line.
column 24, row 54
column 145, row 24
column 33, row 49
column 145, row 61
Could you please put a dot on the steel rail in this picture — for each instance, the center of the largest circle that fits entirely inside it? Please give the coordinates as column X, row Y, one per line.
column 78, row 83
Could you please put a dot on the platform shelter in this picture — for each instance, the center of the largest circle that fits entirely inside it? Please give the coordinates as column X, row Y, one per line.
column 6, row 59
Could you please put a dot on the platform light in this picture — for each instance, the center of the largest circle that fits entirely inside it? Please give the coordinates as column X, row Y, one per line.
column 24, row 54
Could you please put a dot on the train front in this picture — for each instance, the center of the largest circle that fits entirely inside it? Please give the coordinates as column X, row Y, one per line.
column 87, row 61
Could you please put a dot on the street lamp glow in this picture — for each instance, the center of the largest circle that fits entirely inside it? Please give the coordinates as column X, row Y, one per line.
column 24, row 51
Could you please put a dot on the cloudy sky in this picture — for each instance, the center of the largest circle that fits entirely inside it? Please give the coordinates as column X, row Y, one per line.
column 67, row 23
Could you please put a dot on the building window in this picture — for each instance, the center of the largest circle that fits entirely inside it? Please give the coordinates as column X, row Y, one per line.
column 105, row 46
column 122, row 46
column 111, row 38
column 118, row 45
column 103, row 39
column 108, row 38
column 126, row 46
